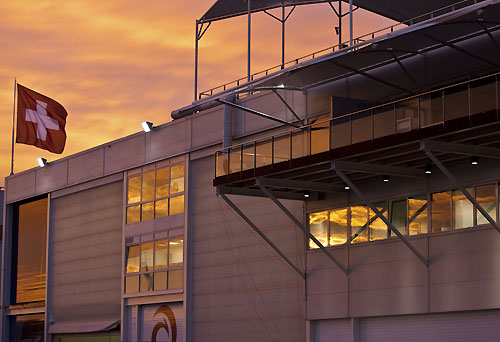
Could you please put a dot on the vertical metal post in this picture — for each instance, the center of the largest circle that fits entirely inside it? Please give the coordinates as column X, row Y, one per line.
column 282, row 36
column 196, row 63
column 249, row 29
column 350, row 23
column 340, row 24
column 13, row 123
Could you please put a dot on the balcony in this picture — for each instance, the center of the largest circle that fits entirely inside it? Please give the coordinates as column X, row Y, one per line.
column 452, row 113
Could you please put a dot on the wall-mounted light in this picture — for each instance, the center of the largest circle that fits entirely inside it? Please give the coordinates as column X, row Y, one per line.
column 428, row 169
column 307, row 194
column 42, row 162
column 347, row 187
column 385, row 178
column 474, row 160
column 147, row 126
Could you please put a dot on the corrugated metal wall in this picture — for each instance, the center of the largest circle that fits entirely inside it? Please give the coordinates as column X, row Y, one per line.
column 86, row 254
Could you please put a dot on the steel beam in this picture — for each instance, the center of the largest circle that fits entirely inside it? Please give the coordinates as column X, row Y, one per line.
column 301, row 226
column 262, row 235
column 457, row 184
column 380, row 215
column 299, row 185
column 377, row 168
column 231, row 190
column 255, row 112
column 468, row 150
column 288, row 106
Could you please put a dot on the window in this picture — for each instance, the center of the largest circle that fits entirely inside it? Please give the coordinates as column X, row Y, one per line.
column 486, row 197
column 156, row 193
column 441, row 219
column 29, row 254
column 155, row 265
column 462, row 210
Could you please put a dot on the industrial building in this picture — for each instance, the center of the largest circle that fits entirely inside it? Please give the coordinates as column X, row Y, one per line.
column 350, row 195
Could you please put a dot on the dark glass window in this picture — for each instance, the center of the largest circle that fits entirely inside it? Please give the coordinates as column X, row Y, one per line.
column 27, row 328
column 29, row 252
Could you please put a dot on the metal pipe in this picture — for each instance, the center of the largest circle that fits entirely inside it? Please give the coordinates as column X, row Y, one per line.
column 196, row 63
column 13, row 124
column 249, row 29
column 283, row 36
column 350, row 23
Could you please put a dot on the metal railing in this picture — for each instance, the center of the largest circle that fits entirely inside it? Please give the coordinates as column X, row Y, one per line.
column 412, row 113
column 344, row 47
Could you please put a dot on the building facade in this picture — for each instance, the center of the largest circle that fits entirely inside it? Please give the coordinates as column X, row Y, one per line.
column 350, row 197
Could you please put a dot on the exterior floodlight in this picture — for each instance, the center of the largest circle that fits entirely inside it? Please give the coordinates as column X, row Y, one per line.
column 385, row 178
column 428, row 169
column 147, row 126
column 347, row 187
column 281, row 85
column 474, row 160
column 307, row 194
column 42, row 162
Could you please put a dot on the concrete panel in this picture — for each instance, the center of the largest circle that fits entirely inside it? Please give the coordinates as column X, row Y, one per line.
column 124, row 154
column 166, row 141
column 207, row 127
column 340, row 330
column 86, row 166
column 464, row 273
column 20, row 186
column 52, row 176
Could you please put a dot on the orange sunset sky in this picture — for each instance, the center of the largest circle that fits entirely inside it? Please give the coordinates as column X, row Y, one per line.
column 113, row 64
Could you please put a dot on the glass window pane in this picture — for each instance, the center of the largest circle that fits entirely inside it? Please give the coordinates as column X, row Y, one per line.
column 222, row 164
column 417, row 215
column 264, row 153
column 483, row 95
column 398, row 216
column 320, row 136
column 161, row 253
column 175, row 252
column 282, row 149
column 235, row 159
column 431, row 109
column 134, row 214
column 133, row 259
column 160, row 281
column 146, row 282
column 148, row 186
column 134, row 189
column 147, row 256
column 31, row 251
column 462, row 210
column 176, row 205
column 485, row 196
column 27, row 328
column 359, row 224
column 161, row 208
column 361, row 127
column 338, row 227
column 298, row 145
column 148, row 211
column 456, row 102
column 341, row 132
column 132, row 284
column 175, row 279
column 177, row 179
column 441, row 214
column 248, row 157
column 378, row 229
column 162, row 182
column 407, row 115
column 383, row 121
column 318, row 226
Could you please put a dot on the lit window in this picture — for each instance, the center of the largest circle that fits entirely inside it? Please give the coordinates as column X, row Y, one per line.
column 398, row 216
column 485, row 196
column 155, row 265
column 378, row 229
column 318, row 225
column 338, row 227
column 462, row 210
column 441, row 211
column 156, row 193
column 417, row 215
column 359, row 224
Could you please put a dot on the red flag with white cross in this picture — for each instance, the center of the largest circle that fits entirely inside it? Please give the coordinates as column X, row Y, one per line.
column 40, row 121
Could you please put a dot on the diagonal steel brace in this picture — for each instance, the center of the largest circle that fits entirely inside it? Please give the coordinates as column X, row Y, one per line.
column 379, row 214
column 262, row 235
column 301, row 226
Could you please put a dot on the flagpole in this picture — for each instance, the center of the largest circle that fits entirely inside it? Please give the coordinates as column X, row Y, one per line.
column 13, row 123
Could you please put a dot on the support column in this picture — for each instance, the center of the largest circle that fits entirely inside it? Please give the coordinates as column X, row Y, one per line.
column 249, row 36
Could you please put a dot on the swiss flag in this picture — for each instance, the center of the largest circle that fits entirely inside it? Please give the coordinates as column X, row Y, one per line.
column 40, row 121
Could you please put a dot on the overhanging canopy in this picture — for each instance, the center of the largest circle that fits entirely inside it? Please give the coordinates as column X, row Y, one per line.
column 394, row 9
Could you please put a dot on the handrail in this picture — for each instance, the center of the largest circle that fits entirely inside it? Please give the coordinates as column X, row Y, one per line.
column 338, row 47
column 305, row 127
